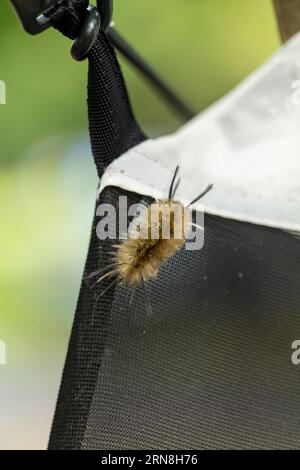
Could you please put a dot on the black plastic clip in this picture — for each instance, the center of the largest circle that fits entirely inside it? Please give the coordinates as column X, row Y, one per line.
column 96, row 19
column 30, row 12
column 35, row 16
column 85, row 40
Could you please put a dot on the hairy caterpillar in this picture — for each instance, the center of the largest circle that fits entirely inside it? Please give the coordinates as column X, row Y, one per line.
column 154, row 236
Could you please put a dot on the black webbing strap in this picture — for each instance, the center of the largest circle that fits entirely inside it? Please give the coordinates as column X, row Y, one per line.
column 113, row 128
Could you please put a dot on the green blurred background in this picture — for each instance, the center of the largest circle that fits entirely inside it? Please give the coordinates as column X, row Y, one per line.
column 48, row 182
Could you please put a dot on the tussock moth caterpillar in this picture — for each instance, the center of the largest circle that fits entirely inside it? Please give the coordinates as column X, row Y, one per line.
column 154, row 236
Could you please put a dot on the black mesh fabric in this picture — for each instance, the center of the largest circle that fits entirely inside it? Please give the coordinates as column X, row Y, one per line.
column 86, row 348
column 211, row 367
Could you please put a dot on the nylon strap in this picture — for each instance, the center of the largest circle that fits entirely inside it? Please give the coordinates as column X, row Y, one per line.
column 113, row 128
column 113, row 131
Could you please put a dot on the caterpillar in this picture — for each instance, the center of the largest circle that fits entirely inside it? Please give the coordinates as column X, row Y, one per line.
column 154, row 236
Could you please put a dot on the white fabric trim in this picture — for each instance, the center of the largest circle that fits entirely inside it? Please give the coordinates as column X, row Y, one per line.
column 247, row 144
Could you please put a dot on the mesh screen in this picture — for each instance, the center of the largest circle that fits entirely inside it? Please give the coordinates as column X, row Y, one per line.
column 211, row 368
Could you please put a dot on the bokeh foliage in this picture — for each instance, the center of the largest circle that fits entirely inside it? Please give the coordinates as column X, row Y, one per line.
column 202, row 47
